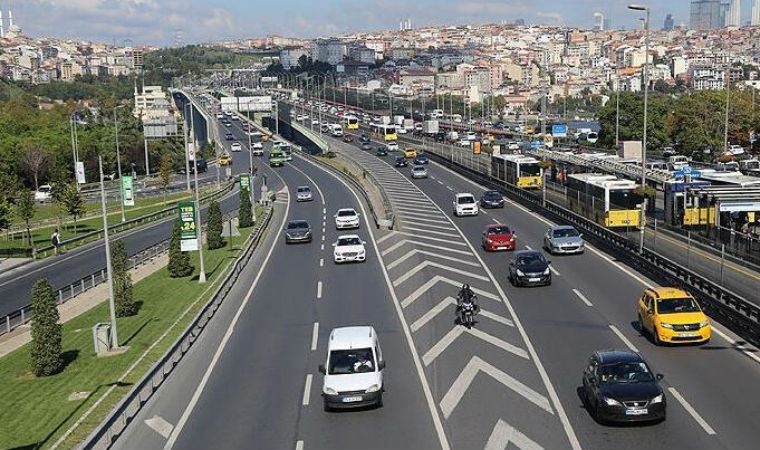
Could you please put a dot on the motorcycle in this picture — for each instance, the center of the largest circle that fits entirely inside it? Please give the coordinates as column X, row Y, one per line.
column 467, row 308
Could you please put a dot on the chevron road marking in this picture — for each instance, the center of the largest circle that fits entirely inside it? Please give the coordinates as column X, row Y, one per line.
column 401, row 243
column 419, row 224
column 413, row 206
column 405, row 196
column 448, row 241
column 425, row 264
column 503, row 434
column 451, row 301
column 160, row 426
column 431, row 282
column 441, row 346
column 465, row 378
column 415, row 251
column 416, row 212
column 405, row 217
column 417, row 202
column 440, row 233
column 386, row 237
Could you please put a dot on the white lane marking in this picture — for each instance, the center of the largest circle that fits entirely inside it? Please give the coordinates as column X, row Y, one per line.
column 403, row 242
column 420, row 224
column 323, row 228
column 324, row 211
column 323, row 237
column 496, row 221
column 414, row 212
column 484, row 212
column 431, row 282
column 314, row 336
column 622, row 337
column 441, row 346
column 230, row 328
column 439, row 233
column 416, row 204
column 422, row 236
column 386, row 237
column 437, row 423
column 319, row 290
column 448, row 302
column 321, row 262
column 466, row 377
column 554, row 271
column 425, row 264
column 415, row 251
column 299, row 445
column 503, row 434
column 733, row 342
column 690, row 409
column 440, row 182
column 160, row 426
column 450, row 188
column 404, row 218
column 323, row 247
column 307, row 391
column 582, row 297
column 528, row 247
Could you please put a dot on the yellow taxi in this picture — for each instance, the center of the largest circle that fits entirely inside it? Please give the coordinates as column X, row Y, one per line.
column 225, row 160
column 410, row 153
column 671, row 315
column 264, row 137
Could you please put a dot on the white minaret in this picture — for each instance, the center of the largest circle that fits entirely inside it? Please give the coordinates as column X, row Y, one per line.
column 756, row 13
column 10, row 18
column 2, row 32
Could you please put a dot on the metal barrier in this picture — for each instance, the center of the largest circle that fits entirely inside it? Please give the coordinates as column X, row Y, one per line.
column 116, row 422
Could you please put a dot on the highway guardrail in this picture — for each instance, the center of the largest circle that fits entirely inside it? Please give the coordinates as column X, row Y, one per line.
column 106, row 433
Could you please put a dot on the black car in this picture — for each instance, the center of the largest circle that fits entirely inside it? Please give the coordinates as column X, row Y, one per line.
column 381, row 151
column 491, row 199
column 440, row 136
column 619, row 386
column 228, row 137
column 530, row 268
column 421, row 159
column 400, row 161
column 364, row 138
column 365, row 146
column 297, row 231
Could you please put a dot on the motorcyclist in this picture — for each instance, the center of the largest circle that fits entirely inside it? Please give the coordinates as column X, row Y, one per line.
column 468, row 297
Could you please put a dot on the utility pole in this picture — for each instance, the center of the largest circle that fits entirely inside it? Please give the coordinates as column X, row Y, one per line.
column 187, row 155
column 617, row 114
column 118, row 164
column 109, row 267
column 202, row 275
column 728, row 101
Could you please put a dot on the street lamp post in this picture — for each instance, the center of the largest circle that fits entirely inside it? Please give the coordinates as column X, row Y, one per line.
column 617, row 114
column 728, row 102
column 109, row 268
column 118, row 163
column 644, row 140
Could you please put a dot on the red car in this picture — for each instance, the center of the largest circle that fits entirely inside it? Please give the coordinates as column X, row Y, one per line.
column 499, row 237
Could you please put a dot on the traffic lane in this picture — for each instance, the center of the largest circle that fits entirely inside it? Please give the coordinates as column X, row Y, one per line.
column 356, row 294
column 169, row 402
column 693, row 370
column 259, row 378
column 582, row 331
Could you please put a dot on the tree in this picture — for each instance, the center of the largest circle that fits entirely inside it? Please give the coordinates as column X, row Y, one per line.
column 46, row 349
column 35, row 162
column 73, row 202
column 245, row 215
column 4, row 214
column 25, row 211
column 179, row 261
column 166, row 168
column 122, row 281
column 214, row 232
column 632, row 120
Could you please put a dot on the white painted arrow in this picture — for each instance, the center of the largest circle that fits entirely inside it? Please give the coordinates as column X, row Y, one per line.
column 451, row 301
column 438, row 278
column 504, row 433
column 415, row 251
column 426, row 264
column 466, row 377
column 441, row 346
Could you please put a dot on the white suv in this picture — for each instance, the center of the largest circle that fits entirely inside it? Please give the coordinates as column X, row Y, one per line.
column 346, row 218
column 465, row 205
column 353, row 369
column 349, row 248
column 257, row 149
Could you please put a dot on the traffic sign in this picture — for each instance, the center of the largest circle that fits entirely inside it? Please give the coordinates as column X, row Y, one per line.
column 559, row 130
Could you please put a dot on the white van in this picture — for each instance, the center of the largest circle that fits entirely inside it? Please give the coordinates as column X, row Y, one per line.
column 336, row 129
column 353, row 369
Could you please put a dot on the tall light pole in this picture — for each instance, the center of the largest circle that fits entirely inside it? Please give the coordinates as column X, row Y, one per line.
column 118, row 163
column 617, row 113
column 109, row 268
column 728, row 101
column 202, row 275
column 644, row 140
column 187, row 154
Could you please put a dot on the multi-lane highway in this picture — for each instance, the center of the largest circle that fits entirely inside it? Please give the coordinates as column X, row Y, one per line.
column 252, row 380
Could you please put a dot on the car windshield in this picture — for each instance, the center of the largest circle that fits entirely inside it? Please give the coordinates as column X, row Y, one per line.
column 304, row 189
column 625, row 372
column 530, row 259
column 346, row 213
column 465, row 200
column 491, row 195
column 349, row 241
column 566, row 232
column 299, row 225
column 345, row 362
column 419, row 169
column 677, row 305
column 499, row 230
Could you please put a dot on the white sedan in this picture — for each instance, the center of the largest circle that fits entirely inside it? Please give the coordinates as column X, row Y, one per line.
column 236, row 147
column 346, row 218
column 257, row 149
column 349, row 248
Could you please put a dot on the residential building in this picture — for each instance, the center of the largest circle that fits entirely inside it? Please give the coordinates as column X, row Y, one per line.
column 331, row 51
column 290, row 56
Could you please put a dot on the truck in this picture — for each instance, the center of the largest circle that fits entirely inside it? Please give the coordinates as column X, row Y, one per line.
column 408, row 125
column 430, row 127
column 386, row 120
column 336, row 130
column 398, row 120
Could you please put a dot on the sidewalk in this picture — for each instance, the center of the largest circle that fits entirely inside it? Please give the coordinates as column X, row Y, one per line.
column 78, row 305
column 8, row 264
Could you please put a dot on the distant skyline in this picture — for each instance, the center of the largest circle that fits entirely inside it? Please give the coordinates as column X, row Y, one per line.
column 155, row 21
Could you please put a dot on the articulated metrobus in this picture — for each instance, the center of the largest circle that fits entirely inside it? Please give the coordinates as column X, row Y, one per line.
column 605, row 199
column 351, row 122
column 519, row 170
column 385, row 132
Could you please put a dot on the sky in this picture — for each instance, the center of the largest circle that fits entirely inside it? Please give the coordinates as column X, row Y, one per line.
column 156, row 21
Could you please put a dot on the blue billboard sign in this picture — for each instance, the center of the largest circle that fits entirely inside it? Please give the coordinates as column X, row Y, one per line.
column 559, row 130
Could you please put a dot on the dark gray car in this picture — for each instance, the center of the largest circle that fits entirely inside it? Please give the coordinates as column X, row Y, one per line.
column 563, row 239
column 297, row 231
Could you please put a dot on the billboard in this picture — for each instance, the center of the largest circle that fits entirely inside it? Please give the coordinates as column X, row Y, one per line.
column 127, row 191
column 188, row 231
column 258, row 103
column 161, row 127
column 80, row 172
column 559, row 130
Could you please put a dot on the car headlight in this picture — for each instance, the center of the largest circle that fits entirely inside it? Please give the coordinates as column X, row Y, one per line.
column 520, row 273
column 546, row 272
column 666, row 325
column 512, row 238
column 704, row 323
column 657, row 399
column 373, row 388
column 611, row 401
column 330, row 391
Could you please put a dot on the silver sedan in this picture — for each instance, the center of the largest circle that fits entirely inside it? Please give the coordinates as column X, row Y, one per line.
column 563, row 239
